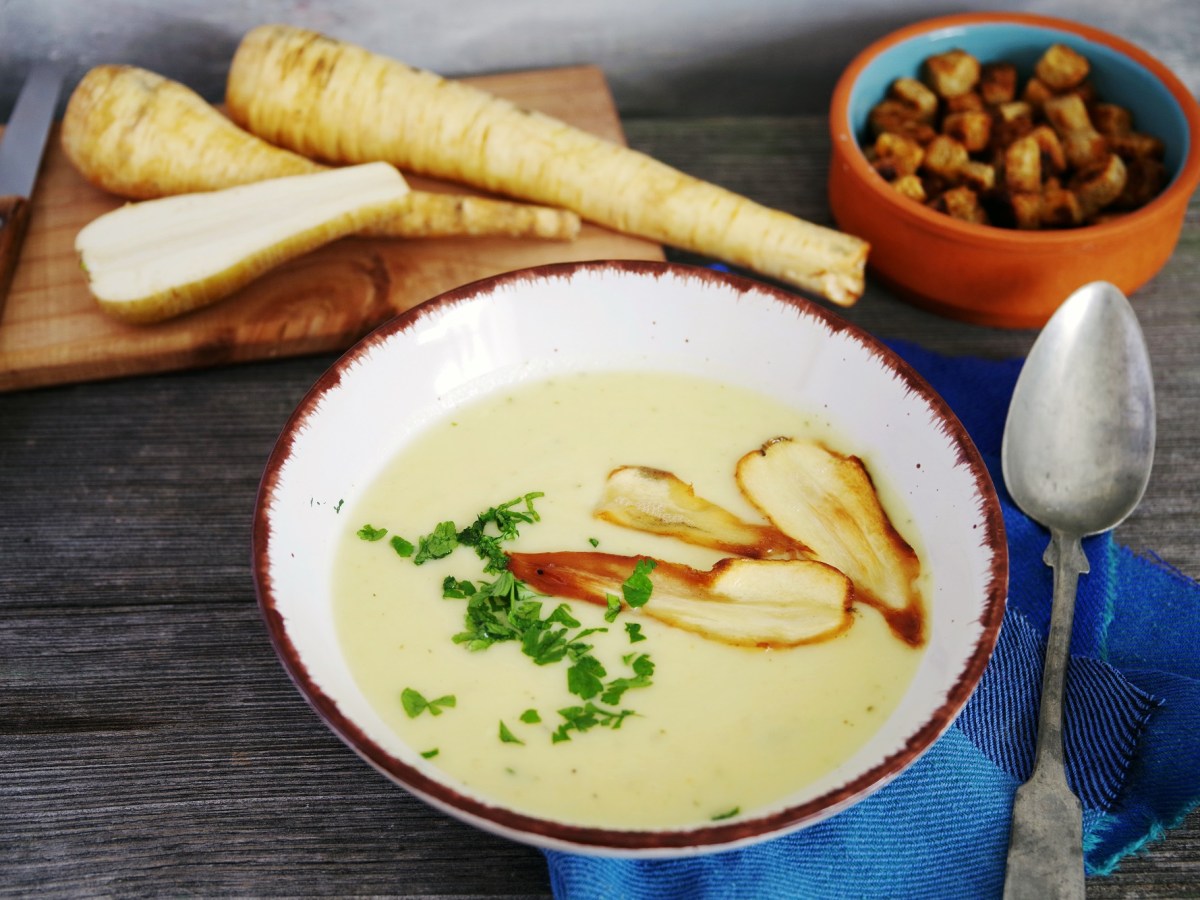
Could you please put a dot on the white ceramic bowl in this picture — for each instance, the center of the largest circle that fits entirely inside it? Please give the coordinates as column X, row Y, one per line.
column 627, row 315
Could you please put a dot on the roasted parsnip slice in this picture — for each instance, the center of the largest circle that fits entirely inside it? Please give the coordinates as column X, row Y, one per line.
column 658, row 502
column 828, row 501
column 745, row 602
column 149, row 261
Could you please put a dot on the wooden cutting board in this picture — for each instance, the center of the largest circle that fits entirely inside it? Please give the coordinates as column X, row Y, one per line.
column 52, row 332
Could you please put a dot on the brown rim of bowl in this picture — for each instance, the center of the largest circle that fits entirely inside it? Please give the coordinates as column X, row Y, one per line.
column 585, row 838
column 842, row 135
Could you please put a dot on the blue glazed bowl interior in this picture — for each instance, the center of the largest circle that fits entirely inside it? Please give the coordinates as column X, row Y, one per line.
column 1117, row 78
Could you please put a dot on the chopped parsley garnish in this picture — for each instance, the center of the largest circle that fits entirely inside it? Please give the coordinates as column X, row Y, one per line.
column 430, row 754
column 595, row 542
column 727, row 814
column 506, row 609
column 637, row 587
column 415, row 704
column 507, row 736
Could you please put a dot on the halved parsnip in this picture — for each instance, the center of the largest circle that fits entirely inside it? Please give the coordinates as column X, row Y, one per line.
column 659, row 502
column 149, row 261
column 745, row 602
column 828, row 501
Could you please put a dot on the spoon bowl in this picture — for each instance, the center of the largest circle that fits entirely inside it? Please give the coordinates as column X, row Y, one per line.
column 1076, row 455
column 1080, row 431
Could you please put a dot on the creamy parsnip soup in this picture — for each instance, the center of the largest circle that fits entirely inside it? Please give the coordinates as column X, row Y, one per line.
column 638, row 723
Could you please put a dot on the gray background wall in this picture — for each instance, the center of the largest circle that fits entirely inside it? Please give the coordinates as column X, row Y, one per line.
column 687, row 57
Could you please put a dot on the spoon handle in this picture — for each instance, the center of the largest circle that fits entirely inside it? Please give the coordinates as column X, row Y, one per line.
column 1045, row 847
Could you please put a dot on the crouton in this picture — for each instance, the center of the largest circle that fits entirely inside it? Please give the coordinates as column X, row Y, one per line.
column 1061, row 68
column 998, row 83
column 971, row 129
column 951, row 74
column 916, row 95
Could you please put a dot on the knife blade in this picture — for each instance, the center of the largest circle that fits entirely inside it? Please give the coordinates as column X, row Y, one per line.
column 21, row 150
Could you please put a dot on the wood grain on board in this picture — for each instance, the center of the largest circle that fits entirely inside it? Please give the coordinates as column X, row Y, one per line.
column 52, row 332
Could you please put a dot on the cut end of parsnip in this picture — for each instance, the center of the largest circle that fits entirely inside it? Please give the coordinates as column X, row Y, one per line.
column 150, row 261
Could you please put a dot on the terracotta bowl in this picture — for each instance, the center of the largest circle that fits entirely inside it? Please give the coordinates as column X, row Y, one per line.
column 550, row 322
column 992, row 275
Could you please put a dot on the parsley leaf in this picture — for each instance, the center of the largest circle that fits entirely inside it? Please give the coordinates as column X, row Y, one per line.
column 614, row 607
column 507, row 519
column 429, row 754
column 438, row 543
column 368, row 533
column 643, row 669
column 401, row 546
column 507, row 736
column 586, row 717
column 727, row 814
column 634, row 630
column 530, row 717
column 453, row 589
column 584, row 677
column 414, row 703
column 637, row 587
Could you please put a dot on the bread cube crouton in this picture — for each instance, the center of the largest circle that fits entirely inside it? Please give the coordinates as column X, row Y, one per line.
column 1098, row 187
column 1061, row 68
column 1135, row 145
column 968, row 102
column 945, row 157
column 1067, row 113
column 1036, row 92
column 895, row 156
column 998, row 83
column 1011, row 121
column 1054, row 157
column 1026, row 210
column 979, row 177
column 1059, row 207
column 951, row 74
column 1085, row 147
column 971, row 129
column 895, row 117
column 1023, row 166
column 1110, row 119
column 913, row 93
column 1145, row 178
column 961, row 203
column 910, row 186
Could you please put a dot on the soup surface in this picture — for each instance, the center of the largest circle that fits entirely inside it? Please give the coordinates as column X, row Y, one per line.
column 720, row 731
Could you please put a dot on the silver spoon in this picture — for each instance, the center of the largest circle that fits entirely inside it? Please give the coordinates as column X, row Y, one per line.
column 1077, row 451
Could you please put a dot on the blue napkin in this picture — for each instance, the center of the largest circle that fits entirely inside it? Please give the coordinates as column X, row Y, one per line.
column 940, row 830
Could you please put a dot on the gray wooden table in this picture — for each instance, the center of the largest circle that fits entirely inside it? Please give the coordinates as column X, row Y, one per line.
column 150, row 744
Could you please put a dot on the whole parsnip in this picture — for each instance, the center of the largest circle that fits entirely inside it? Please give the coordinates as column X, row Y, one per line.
column 341, row 103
